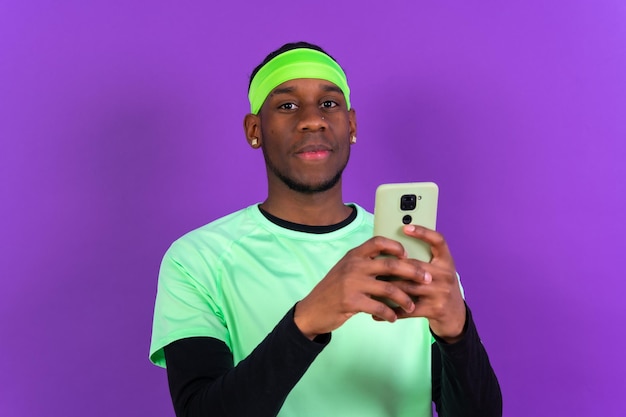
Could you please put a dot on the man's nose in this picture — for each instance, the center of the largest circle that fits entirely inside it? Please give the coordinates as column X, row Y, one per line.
column 312, row 119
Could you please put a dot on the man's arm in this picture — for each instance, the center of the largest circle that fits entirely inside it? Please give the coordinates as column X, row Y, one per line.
column 203, row 380
column 464, row 383
column 467, row 385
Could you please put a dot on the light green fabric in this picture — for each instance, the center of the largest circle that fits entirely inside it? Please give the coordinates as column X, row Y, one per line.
column 293, row 64
column 235, row 278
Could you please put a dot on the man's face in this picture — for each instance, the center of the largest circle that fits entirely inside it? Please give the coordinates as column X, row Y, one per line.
column 305, row 134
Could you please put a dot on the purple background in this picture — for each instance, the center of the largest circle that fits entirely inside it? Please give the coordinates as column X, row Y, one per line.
column 121, row 129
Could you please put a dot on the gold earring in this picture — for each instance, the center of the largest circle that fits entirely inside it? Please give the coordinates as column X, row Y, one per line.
column 353, row 139
column 254, row 142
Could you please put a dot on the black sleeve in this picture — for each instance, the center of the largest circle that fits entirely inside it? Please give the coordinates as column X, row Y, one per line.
column 464, row 383
column 204, row 382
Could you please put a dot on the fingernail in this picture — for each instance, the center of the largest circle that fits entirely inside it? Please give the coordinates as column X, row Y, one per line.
column 411, row 308
column 410, row 228
column 427, row 277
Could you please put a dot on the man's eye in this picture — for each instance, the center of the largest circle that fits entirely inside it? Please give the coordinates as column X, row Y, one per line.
column 328, row 104
column 287, row 106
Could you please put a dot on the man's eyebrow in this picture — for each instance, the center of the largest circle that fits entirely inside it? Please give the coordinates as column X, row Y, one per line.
column 331, row 88
column 284, row 90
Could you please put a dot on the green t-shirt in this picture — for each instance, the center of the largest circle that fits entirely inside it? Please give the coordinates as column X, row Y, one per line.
column 235, row 279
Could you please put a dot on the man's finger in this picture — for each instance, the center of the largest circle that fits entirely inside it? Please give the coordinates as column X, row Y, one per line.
column 379, row 245
column 379, row 310
column 398, row 268
column 388, row 290
column 438, row 245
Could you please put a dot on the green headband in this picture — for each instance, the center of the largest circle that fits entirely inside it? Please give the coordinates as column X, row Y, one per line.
column 295, row 63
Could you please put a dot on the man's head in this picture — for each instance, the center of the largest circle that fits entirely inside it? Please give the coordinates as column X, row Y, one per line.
column 291, row 61
column 301, row 118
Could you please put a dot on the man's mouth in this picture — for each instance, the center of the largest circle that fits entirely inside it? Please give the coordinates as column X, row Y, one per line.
column 313, row 152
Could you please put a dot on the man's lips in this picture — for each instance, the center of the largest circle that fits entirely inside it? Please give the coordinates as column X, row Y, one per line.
column 312, row 152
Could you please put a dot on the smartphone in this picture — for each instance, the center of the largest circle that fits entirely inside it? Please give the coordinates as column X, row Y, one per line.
column 407, row 203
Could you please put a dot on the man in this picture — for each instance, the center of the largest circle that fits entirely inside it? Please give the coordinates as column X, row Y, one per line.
column 260, row 313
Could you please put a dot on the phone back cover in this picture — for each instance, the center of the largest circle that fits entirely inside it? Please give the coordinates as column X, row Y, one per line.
column 388, row 216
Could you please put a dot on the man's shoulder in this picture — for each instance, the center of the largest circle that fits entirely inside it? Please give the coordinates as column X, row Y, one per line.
column 219, row 232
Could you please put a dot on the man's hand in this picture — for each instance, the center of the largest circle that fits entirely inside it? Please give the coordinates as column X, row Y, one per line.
column 436, row 290
column 349, row 286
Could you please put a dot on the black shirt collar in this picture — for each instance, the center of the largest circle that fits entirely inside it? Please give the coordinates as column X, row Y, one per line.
column 310, row 229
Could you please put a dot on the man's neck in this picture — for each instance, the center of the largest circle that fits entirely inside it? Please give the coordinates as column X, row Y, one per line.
column 312, row 209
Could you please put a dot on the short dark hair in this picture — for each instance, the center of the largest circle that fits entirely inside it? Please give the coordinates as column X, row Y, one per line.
column 286, row 47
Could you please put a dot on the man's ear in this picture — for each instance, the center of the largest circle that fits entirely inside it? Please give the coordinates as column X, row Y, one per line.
column 252, row 130
column 352, row 123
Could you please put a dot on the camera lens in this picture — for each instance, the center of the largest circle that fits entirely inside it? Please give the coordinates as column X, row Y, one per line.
column 408, row 202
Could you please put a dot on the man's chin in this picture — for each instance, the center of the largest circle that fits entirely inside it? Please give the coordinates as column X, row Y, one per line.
column 312, row 187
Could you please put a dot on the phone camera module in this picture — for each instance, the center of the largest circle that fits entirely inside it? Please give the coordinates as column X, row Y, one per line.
column 408, row 202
